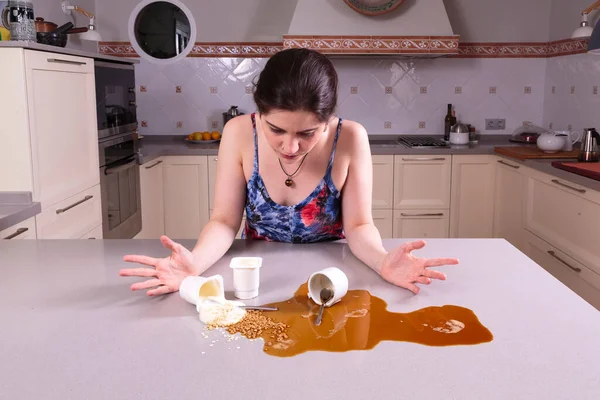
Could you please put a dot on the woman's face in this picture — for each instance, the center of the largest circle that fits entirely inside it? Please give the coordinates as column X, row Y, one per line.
column 292, row 134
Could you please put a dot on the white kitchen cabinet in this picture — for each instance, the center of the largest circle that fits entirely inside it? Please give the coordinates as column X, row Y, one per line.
column 22, row 230
column 71, row 218
column 186, row 196
column 153, row 204
column 565, row 215
column 420, row 224
column 508, row 202
column 62, row 120
column 49, row 142
column 383, row 220
column 383, row 182
column 422, row 182
column 472, row 200
column 212, row 178
column 573, row 274
column 95, row 233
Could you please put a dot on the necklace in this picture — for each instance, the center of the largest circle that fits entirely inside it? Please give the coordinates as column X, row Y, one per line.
column 289, row 182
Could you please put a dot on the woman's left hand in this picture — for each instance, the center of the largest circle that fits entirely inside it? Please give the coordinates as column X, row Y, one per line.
column 401, row 268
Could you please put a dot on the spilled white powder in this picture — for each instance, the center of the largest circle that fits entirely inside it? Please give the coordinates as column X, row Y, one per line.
column 217, row 311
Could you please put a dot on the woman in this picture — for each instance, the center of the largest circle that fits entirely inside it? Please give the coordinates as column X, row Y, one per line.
column 303, row 176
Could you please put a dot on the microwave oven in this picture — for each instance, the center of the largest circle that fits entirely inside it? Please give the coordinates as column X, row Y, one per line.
column 115, row 98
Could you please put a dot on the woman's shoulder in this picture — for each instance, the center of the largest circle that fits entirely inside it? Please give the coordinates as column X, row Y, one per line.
column 237, row 135
column 353, row 137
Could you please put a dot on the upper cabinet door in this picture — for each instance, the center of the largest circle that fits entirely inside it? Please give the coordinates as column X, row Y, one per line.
column 422, row 182
column 62, row 119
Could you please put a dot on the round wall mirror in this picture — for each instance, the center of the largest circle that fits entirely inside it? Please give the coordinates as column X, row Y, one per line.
column 162, row 31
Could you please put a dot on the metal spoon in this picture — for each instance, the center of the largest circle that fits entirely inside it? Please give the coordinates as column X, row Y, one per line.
column 325, row 295
column 260, row 308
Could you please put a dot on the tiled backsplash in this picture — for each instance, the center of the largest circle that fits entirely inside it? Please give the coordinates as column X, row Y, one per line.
column 572, row 100
column 386, row 96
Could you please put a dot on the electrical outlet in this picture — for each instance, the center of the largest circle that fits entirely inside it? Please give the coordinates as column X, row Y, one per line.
column 495, row 124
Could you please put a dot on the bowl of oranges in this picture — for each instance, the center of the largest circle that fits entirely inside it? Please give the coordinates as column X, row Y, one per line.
column 203, row 137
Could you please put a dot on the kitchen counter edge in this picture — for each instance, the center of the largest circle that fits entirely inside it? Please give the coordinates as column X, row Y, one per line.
column 65, row 50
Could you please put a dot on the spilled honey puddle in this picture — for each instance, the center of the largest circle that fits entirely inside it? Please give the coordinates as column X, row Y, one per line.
column 361, row 321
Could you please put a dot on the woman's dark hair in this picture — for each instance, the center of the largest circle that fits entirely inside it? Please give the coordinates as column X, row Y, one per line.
column 298, row 80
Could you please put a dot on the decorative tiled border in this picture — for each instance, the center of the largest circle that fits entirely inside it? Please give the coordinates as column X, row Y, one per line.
column 366, row 45
column 204, row 49
column 374, row 44
column 522, row 50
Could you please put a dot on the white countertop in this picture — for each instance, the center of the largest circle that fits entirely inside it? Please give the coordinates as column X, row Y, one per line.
column 72, row 329
column 65, row 50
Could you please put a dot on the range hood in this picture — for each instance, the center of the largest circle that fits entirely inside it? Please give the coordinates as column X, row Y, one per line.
column 418, row 28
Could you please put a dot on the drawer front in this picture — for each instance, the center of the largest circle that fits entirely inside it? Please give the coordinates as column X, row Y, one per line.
column 384, row 222
column 574, row 275
column 564, row 219
column 22, row 230
column 71, row 218
column 58, row 62
column 95, row 233
column 422, row 182
column 421, row 223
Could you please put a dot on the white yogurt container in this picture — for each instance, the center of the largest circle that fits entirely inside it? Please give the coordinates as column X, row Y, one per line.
column 195, row 288
column 246, row 276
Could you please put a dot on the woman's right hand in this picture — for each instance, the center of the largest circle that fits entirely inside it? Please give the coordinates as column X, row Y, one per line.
column 166, row 274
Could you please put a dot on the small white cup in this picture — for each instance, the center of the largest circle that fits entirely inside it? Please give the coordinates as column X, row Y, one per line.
column 194, row 288
column 246, row 276
column 332, row 278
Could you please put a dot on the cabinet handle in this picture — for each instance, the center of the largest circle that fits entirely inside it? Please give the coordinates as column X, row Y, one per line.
column 423, row 215
column 567, row 186
column 61, row 61
column 19, row 232
column 553, row 254
column 215, row 159
column 62, row 210
column 154, row 165
column 508, row 165
column 424, row 159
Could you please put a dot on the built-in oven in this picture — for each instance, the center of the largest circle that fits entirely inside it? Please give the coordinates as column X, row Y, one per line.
column 115, row 98
column 120, row 186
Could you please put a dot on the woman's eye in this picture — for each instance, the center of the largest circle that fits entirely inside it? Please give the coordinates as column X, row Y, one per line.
column 277, row 131
column 307, row 135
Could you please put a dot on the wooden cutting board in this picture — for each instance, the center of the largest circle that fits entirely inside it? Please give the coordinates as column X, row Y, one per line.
column 525, row 152
column 589, row 170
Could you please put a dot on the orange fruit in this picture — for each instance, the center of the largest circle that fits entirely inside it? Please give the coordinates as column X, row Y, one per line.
column 215, row 135
column 205, row 136
column 197, row 135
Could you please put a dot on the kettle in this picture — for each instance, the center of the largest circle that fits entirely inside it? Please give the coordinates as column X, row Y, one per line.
column 230, row 114
column 589, row 146
column 459, row 134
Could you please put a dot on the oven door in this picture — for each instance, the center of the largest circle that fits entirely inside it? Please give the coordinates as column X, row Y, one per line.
column 120, row 189
column 115, row 98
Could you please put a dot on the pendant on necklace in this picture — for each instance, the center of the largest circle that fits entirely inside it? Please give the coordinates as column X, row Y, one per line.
column 289, row 182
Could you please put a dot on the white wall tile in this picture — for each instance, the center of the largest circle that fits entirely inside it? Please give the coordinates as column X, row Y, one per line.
column 405, row 107
column 563, row 108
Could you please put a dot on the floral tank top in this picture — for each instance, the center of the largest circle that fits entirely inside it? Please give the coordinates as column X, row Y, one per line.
column 317, row 218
